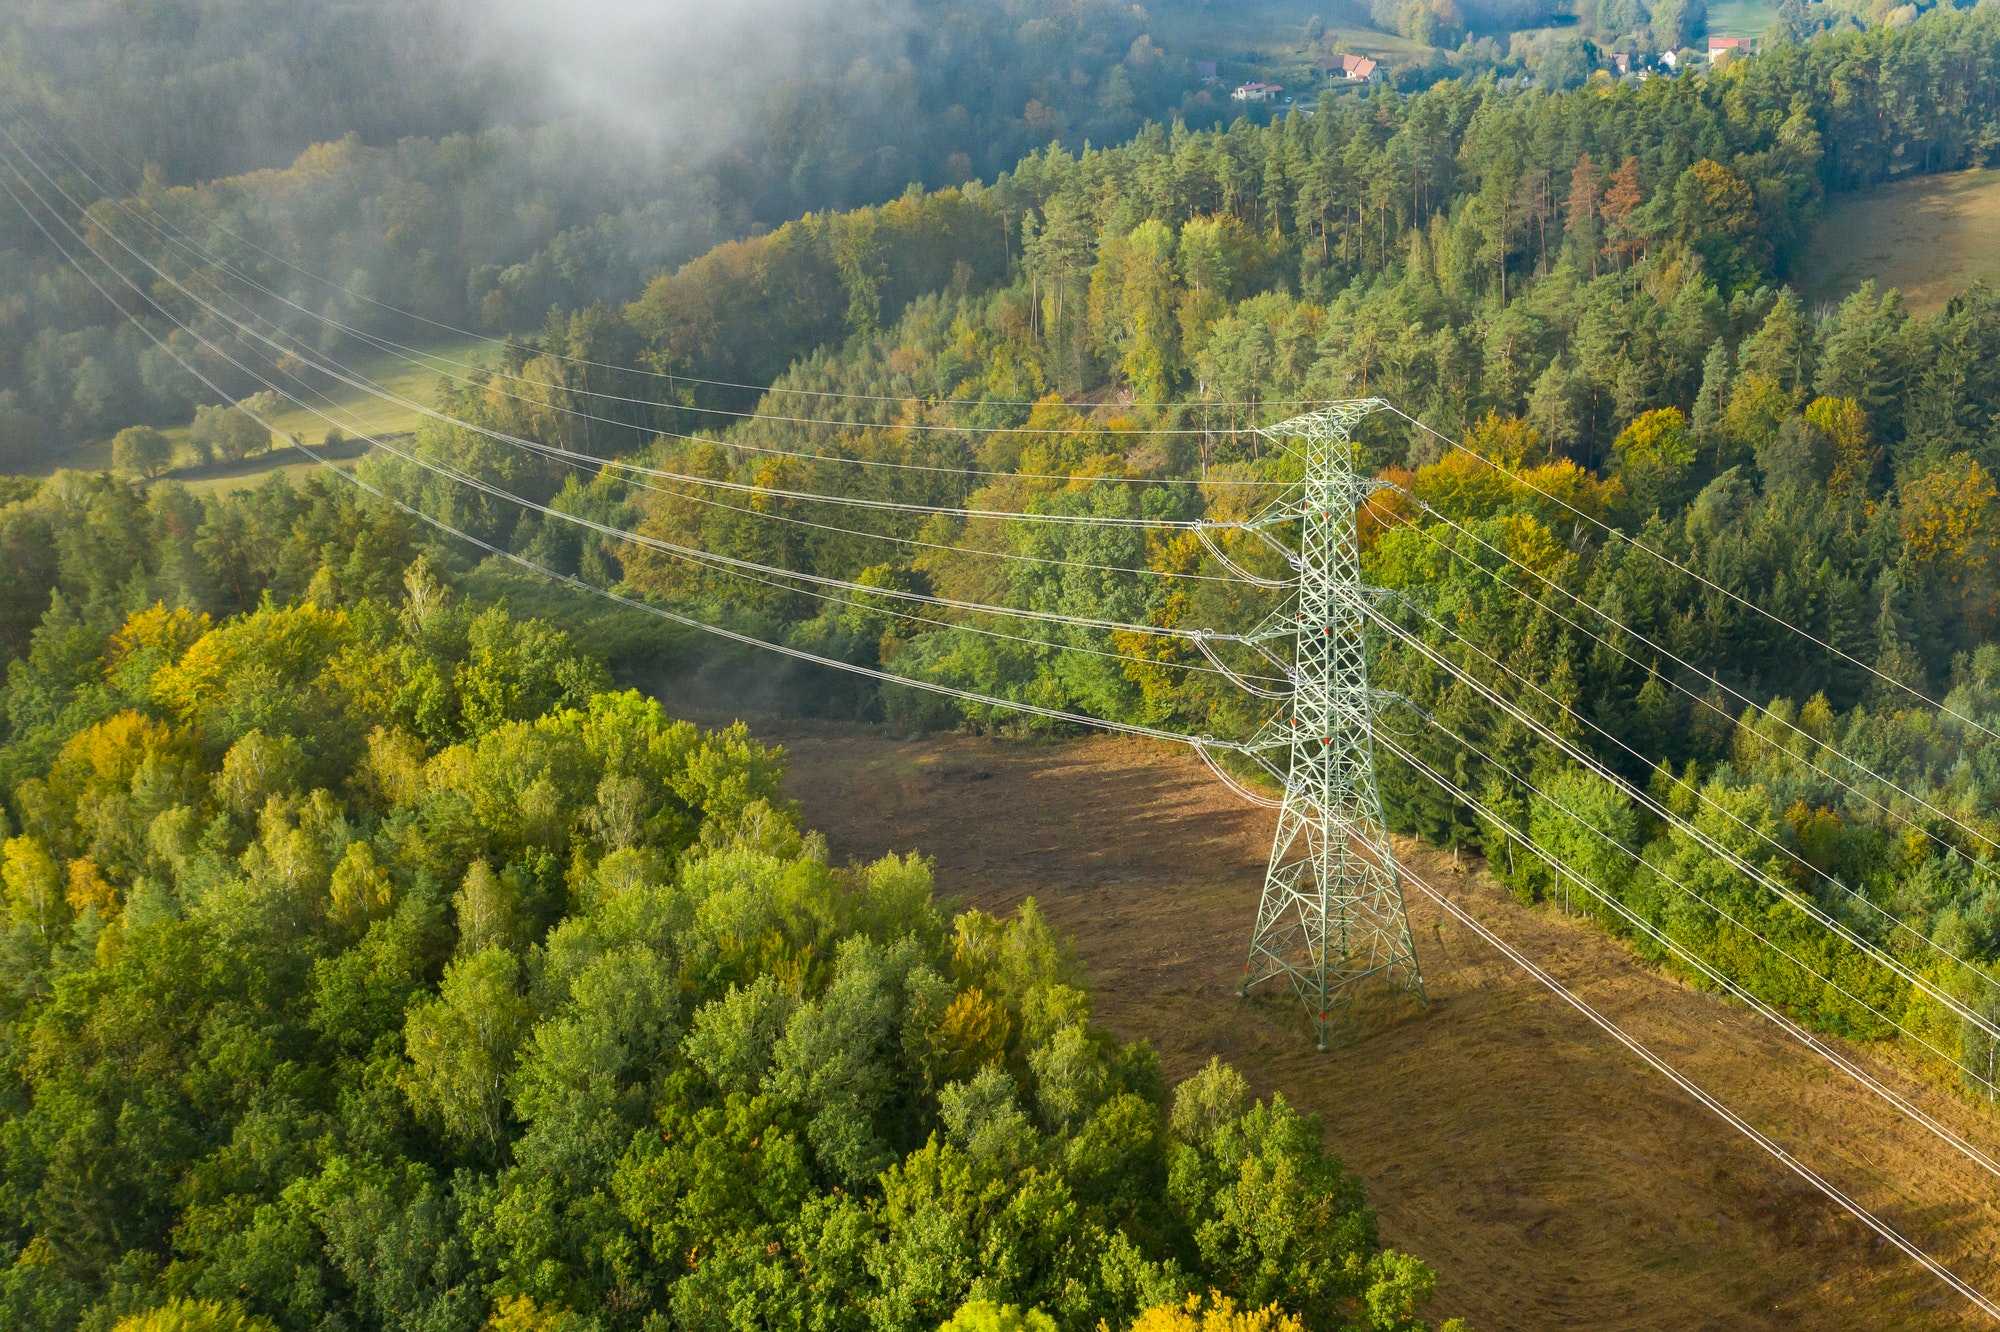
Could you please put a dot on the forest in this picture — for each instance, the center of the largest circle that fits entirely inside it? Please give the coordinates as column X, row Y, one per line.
column 376, row 956
column 1583, row 289
column 351, row 143
column 372, row 961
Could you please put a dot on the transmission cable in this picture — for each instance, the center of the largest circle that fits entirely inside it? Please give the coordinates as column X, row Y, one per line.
column 706, row 561
column 1688, row 1085
column 1671, row 563
column 387, row 344
column 1199, row 743
column 1797, row 900
column 551, row 450
column 1696, row 897
column 1699, row 794
column 1749, row 703
column 1776, row 1016
column 497, row 492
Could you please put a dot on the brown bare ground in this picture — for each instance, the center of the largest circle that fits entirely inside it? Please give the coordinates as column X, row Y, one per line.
column 1551, row 1178
column 1928, row 236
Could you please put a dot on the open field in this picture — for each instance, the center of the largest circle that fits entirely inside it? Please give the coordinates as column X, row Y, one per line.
column 1551, row 1178
column 247, row 474
column 1930, row 236
column 1740, row 18
column 1266, row 38
column 410, row 376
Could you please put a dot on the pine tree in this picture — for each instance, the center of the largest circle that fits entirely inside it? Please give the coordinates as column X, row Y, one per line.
column 1898, row 668
column 1582, row 210
column 1711, row 400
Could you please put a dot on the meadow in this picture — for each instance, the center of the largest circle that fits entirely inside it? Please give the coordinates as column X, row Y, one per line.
column 412, row 376
column 1266, row 39
column 1928, row 236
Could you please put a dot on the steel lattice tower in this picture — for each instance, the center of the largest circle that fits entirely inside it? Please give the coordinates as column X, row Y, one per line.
column 1332, row 913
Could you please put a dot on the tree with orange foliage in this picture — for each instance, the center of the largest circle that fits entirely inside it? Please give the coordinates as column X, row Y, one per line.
column 1622, row 197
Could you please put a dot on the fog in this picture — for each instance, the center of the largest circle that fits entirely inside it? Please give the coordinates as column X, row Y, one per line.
column 674, row 74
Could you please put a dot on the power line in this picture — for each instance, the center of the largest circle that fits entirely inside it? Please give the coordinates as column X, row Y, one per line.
column 1699, row 900
column 581, row 461
column 1201, row 746
column 1200, row 743
column 558, row 451
column 1703, row 580
column 670, row 376
column 1688, row 1085
column 1749, row 703
column 1708, row 801
column 1714, row 847
column 673, row 548
column 1776, row 1016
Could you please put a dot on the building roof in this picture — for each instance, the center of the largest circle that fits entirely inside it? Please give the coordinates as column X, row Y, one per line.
column 1729, row 43
column 1353, row 66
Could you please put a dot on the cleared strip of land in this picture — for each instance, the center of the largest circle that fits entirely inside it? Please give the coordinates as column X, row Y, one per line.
column 1552, row 1179
column 1929, row 236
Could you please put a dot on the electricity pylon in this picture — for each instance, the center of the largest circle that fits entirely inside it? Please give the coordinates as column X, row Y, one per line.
column 1332, row 913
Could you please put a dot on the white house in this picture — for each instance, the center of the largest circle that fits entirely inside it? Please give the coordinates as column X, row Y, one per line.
column 1257, row 92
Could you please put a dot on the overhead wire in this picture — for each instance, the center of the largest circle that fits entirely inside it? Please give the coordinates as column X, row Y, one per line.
column 1687, row 828
column 751, row 567
column 675, row 548
column 570, row 455
column 1699, row 900
column 1694, row 960
column 324, row 366
column 767, row 574
column 580, row 461
column 1778, row 846
column 1711, row 1102
column 1698, row 577
column 1200, row 743
column 387, row 344
column 1762, row 710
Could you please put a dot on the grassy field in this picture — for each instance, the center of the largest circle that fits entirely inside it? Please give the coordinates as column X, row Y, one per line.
column 223, row 477
column 1930, row 237
column 1740, row 18
column 1266, row 39
column 412, row 377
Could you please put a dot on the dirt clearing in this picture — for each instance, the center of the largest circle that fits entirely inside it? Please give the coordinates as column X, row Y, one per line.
column 1550, row 1177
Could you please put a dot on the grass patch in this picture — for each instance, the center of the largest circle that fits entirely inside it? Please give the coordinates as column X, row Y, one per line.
column 1930, row 237
column 1266, row 39
column 1740, row 18
column 249, row 473
column 410, row 375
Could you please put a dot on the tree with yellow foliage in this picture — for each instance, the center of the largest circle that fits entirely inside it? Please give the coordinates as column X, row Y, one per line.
column 193, row 1316
column 1855, row 453
column 1217, row 1313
